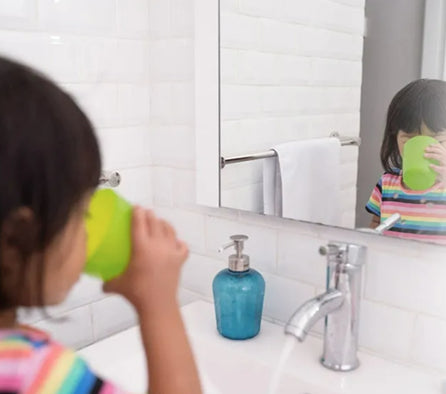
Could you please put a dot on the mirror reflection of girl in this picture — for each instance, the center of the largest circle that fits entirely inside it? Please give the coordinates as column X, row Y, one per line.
column 417, row 109
column 49, row 167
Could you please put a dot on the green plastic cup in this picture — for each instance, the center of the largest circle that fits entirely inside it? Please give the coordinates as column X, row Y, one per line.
column 108, row 230
column 417, row 174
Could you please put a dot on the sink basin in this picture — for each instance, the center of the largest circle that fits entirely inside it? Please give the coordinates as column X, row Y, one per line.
column 245, row 367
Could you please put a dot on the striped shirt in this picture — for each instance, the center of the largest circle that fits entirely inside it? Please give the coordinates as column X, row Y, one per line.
column 31, row 363
column 423, row 213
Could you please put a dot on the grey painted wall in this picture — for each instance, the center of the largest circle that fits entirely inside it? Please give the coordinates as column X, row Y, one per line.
column 392, row 58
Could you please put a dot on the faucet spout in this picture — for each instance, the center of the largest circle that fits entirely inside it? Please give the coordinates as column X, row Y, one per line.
column 311, row 311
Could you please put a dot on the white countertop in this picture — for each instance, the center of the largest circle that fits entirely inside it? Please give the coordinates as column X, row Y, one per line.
column 246, row 367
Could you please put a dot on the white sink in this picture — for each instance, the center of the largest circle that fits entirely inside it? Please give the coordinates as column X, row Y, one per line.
column 245, row 367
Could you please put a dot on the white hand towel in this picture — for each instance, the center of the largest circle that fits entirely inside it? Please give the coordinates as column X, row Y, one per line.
column 272, row 187
column 302, row 183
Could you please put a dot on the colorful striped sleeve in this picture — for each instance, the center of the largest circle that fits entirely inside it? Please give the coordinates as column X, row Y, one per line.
column 31, row 363
column 60, row 370
column 374, row 204
column 70, row 374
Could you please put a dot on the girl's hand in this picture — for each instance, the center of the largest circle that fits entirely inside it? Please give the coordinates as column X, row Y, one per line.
column 152, row 276
column 437, row 152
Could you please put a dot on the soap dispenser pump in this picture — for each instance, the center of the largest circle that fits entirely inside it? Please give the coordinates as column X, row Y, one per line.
column 238, row 294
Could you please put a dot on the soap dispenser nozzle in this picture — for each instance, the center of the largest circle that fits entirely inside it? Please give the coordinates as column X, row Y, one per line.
column 237, row 241
column 238, row 261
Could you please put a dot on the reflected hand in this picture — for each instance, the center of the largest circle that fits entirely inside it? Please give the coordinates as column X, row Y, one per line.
column 437, row 152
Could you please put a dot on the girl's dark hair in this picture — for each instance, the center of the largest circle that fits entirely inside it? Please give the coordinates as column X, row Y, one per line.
column 421, row 101
column 49, row 159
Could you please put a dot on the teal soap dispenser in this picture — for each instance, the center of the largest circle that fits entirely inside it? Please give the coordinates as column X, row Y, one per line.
column 238, row 295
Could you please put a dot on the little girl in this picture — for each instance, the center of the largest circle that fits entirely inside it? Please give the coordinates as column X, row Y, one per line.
column 417, row 109
column 49, row 167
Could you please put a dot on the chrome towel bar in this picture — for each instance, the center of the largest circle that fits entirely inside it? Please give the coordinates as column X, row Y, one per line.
column 345, row 141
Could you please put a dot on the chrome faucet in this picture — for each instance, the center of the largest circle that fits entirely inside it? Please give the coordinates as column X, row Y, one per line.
column 339, row 305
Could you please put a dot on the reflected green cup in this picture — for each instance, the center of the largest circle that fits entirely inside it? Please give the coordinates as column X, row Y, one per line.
column 108, row 230
column 417, row 174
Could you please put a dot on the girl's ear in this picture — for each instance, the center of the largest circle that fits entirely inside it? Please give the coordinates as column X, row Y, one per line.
column 18, row 244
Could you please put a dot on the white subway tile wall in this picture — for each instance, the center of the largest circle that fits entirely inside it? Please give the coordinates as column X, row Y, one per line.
column 78, row 16
column 279, row 78
column 403, row 309
column 111, row 315
column 98, row 51
column 279, row 288
column 86, row 290
column 74, row 327
column 429, row 341
column 379, row 325
column 18, row 14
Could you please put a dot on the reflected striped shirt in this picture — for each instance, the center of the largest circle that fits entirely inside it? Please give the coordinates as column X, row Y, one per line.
column 31, row 363
column 423, row 213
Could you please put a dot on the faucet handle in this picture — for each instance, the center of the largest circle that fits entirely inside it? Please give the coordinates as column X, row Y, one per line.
column 344, row 253
column 329, row 250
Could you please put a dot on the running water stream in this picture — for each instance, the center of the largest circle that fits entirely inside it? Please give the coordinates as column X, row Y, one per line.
column 288, row 347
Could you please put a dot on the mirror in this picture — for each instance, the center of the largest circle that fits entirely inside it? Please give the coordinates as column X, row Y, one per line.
column 285, row 77
column 304, row 91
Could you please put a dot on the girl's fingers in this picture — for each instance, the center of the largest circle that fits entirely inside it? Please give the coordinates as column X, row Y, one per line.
column 158, row 227
column 436, row 156
column 165, row 228
column 432, row 155
column 139, row 229
column 183, row 250
column 438, row 169
column 436, row 152
column 155, row 224
column 150, row 221
column 170, row 231
column 435, row 148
